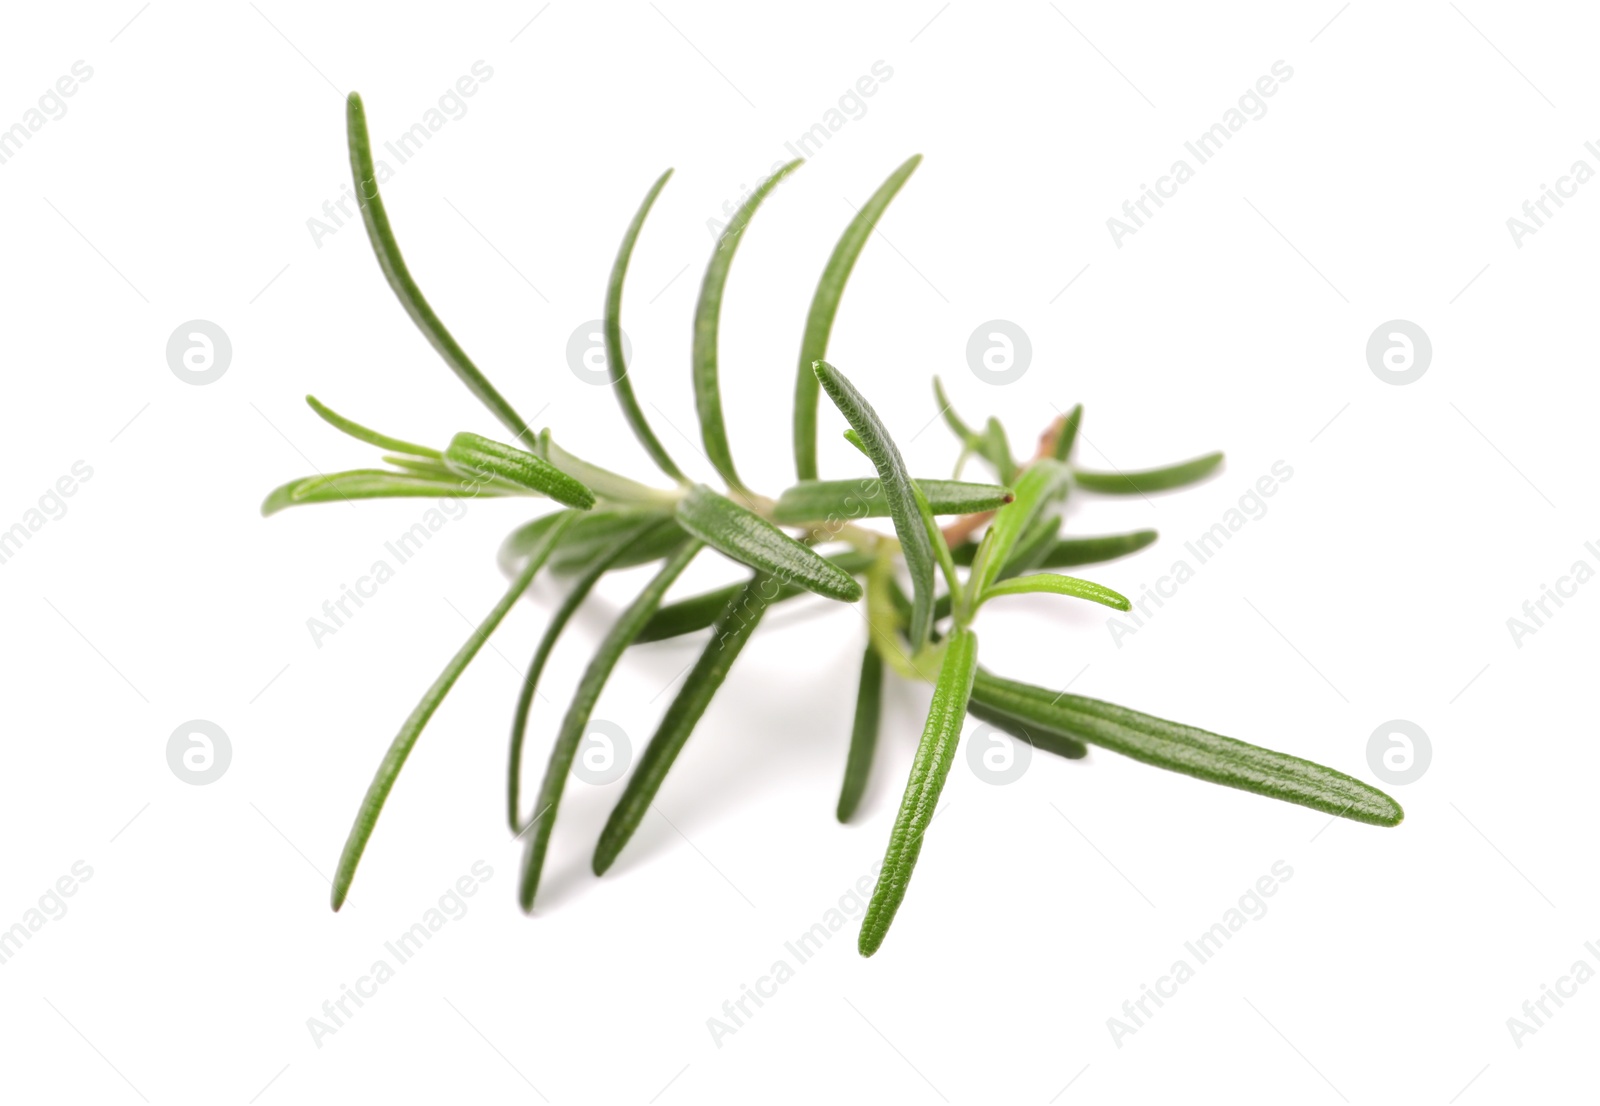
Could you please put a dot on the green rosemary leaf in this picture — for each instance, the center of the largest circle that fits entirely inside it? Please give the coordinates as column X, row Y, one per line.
column 915, row 544
column 596, row 533
column 1057, row 585
column 750, row 539
column 941, row 549
column 335, row 487
column 964, row 433
column 604, row 483
column 613, row 336
column 1035, row 488
column 935, row 753
column 707, row 318
column 405, row 289
column 1147, row 480
column 576, row 722
column 475, row 455
column 855, row 439
column 1067, row 435
column 863, row 734
column 1070, row 552
column 823, row 500
column 825, row 305
column 371, row 437
column 1023, row 730
column 581, row 587
column 1031, row 548
column 733, row 629
column 996, row 449
column 699, row 611
column 400, row 748
column 1191, row 751
column 522, row 541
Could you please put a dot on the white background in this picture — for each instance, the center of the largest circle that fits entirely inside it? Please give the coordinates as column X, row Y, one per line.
column 178, row 186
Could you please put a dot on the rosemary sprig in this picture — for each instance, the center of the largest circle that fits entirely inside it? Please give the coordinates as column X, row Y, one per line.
column 611, row 521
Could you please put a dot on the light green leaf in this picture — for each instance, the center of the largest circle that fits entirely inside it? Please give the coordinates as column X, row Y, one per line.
column 863, row 734
column 1067, row 435
column 335, row 487
column 1039, row 483
column 371, row 437
column 1057, row 585
column 474, row 455
column 1148, row 480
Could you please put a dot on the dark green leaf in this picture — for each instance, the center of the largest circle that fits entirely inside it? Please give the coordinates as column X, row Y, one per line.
column 530, row 683
column 1069, row 552
column 613, row 336
column 400, row 748
column 707, row 319
column 825, row 305
column 1023, row 730
column 399, row 277
column 475, row 455
column 935, row 753
column 576, row 722
column 833, row 500
column 734, row 627
column 863, row 734
column 1148, row 480
column 750, row 539
column 915, row 545
column 1191, row 751
column 699, row 611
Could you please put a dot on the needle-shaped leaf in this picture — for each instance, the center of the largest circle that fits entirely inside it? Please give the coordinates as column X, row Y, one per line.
column 603, row 482
column 1147, row 480
column 475, row 455
column 576, row 722
column 405, row 288
column 336, row 487
column 371, row 437
column 699, row 611
column 935, row 753
column 1070, row 552
column 1191, row 751
column 1067, row 433
column 821, row 500
column 825, row 305
column 596, row 533
column 552, row 633
column 996, row 449
column 406, row 739
column 1058, row 585
column 1031, row 548
column 734, row 627
column 750, row 539
column 1023, row 730
column 915, row 545
column 613, row 338
column 707, row 319
column 530, row 536
column 964, row 433
column 1038, row 485
column 863, row 734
